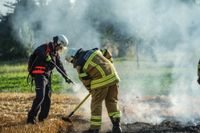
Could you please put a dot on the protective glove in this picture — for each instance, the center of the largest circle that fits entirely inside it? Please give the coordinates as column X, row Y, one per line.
column 68, row 80
column 198, row 80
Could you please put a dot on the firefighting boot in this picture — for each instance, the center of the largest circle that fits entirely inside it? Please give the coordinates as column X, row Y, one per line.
column 116, row 125
column 91, row 131
column 30, row 120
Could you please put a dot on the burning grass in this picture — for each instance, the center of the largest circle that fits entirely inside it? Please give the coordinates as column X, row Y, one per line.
column 164, row 127
column 14, row 108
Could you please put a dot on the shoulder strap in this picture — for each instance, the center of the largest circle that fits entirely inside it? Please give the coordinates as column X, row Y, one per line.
column 47, row 50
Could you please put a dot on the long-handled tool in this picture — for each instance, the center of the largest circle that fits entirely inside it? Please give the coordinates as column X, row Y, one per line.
column 61, row 71
column 68, row 117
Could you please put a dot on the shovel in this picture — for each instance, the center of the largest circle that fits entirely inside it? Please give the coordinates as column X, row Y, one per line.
column 67, row 119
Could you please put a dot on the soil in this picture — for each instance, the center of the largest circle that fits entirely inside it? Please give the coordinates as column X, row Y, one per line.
column 14, row 108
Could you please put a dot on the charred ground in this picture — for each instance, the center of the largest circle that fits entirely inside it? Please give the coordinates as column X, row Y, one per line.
column 14, row 107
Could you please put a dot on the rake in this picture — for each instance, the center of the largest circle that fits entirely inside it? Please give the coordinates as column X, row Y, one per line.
column 77, row 107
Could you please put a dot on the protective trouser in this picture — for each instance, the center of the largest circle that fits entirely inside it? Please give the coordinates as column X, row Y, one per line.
column 42, row 100
column 110, row 95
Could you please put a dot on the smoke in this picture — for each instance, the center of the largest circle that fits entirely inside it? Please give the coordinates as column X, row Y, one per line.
column 169, row 30
column 49, row 18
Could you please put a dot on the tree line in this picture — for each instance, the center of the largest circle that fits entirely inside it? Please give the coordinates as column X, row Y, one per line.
column 113, row 34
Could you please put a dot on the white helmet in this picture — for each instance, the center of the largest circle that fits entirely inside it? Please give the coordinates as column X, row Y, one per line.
column 70, row 53
column 61, row 40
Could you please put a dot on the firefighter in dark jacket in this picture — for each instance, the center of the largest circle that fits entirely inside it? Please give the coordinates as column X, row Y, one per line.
column 98, row 74
column 40, row 66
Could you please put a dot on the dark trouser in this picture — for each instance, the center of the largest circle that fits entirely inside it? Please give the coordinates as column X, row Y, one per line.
column 42, row 100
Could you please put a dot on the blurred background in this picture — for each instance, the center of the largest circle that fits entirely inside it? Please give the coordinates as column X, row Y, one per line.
column 155, row 45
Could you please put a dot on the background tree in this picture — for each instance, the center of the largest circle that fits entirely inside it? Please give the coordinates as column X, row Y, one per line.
column 10, row 47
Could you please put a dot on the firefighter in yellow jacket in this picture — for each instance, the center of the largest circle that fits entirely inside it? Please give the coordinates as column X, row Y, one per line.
column 99, row 76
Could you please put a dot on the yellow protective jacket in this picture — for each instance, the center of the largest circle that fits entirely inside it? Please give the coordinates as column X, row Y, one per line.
column 97, row 71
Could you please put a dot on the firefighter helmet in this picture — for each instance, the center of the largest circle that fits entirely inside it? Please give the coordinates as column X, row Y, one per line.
column 61, row 40
column 71, row 52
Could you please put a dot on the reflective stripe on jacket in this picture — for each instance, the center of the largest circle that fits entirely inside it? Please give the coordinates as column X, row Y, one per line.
column 38, row 70
column 99, row 71
column 43, row 56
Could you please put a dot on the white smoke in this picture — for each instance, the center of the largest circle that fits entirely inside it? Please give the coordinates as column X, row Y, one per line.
column 172, row 27
column 49, row 18
column 169, row 29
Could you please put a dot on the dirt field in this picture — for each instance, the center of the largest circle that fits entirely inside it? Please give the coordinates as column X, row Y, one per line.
column 14, row 108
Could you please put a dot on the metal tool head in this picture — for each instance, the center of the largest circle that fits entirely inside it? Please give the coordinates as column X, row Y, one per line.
column 67, row 119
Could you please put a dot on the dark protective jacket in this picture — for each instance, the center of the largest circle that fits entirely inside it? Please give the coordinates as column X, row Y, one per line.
column 40, row 60
column 95, row 70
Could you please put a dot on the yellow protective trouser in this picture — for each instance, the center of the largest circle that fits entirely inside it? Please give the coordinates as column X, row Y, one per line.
column 110, row 95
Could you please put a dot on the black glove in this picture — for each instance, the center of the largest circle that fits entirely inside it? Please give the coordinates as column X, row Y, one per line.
column 68, row 80
column 198, row 80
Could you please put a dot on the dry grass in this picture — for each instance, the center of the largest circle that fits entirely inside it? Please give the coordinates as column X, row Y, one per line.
column 14, row 108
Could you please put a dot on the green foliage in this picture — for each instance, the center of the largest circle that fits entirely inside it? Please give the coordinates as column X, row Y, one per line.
column 13, row 78
column 148, row 79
